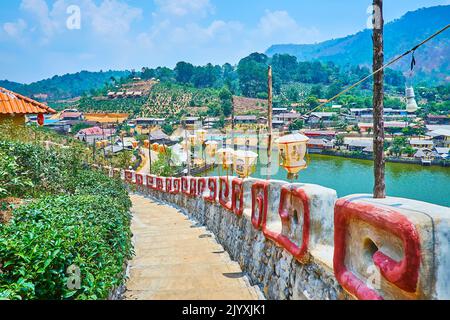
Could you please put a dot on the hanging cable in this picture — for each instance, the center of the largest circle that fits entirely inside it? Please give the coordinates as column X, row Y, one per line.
column 382, row 68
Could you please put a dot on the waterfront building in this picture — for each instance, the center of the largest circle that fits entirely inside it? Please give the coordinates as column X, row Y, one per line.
column 421, row 143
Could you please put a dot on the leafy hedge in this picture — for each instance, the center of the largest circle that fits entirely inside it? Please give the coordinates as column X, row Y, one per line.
column 79, row 218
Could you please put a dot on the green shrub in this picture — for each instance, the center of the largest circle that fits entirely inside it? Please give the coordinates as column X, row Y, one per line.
column 46, row 237
column 80, row 218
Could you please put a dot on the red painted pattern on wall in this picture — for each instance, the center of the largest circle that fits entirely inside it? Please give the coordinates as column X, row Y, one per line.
column 404, row 274
column 159, row 184
column 139, row 179
column 212, row 186
column 128, row 176
column 260, row 198
column 169, row 185
column 289, row 198
column 193, row 187
column 150, row 181
column 185, row 185
column 176, row 186
column 201, row 186
column 224, row 194
column 237, row 196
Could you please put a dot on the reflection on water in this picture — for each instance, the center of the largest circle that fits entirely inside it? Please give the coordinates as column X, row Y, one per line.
column 351, row 176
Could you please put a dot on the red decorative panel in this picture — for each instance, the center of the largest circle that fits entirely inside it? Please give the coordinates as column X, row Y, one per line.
column 292, row 202
column 139, row 179
column 403, row 274
column 159, row 184
column 185, row 185
column 224, row 194
column 260, row 198
column 128, row 176
column 150, row 182
column 176, row 186
column 212, row 186
column 169, row 185
column 193, row 187
column 237, row 196
column 201, row 186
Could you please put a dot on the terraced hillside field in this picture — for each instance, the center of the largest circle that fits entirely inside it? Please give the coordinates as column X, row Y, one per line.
column 158, row 100
column 172, row 100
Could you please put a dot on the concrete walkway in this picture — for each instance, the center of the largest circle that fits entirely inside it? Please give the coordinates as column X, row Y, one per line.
column 176, row 260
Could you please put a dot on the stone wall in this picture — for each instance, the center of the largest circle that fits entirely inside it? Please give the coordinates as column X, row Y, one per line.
column 298, row 241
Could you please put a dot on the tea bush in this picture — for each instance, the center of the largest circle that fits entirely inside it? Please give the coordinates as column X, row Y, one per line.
column 90, row 232
column 79, row 218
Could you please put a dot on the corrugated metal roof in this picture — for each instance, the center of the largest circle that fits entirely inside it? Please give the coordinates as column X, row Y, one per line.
column 11, row 102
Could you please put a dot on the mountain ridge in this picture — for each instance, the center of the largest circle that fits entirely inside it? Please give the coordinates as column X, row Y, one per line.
column 400, row 35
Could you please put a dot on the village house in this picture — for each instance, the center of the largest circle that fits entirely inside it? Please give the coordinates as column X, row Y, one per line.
column 325, row 118
column 279, row 110
column 71, row 114
column 366, row 127
column 245, row 119
column 287, row 117
column 210, row 122
column 321, row 134
column 443, row 153
column 441, row 137
column 438, row 119
column 160, row 137
column 106, row 118
column 319, row 144
column 361, row 145
column 91, row 135
column 16, row 107
column 421, row 143
column 366, row 114
column 150, row 121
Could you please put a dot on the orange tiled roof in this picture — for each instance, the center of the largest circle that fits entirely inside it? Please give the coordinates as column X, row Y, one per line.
column 11, row 102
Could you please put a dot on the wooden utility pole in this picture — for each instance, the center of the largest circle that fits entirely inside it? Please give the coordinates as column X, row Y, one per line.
column 232, row 126
column 149, row 150
column 269, row 121
column 379, row 190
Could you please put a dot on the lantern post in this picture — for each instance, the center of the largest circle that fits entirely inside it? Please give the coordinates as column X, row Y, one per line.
column 292, row 151
column 269, row 122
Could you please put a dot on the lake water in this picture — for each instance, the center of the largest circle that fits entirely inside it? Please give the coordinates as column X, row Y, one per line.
column 351, row 176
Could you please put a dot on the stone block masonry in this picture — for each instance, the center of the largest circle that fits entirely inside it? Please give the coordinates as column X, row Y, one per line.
column 298, row 241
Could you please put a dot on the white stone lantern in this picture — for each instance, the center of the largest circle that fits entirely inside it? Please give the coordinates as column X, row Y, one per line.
column 244, row 162
column 225, row 157
column 211, row 148
column 292, row 151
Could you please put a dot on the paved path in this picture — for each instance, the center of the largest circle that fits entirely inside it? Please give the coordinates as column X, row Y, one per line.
column 177, row 260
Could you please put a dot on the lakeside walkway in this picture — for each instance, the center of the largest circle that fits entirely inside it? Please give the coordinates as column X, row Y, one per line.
column 177, row 260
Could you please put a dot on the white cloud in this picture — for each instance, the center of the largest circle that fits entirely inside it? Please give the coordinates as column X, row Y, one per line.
column 15, row 29
column 109, row 17
column 40, row 11
column 279, row 26
column 112, row 17
column 185, row 7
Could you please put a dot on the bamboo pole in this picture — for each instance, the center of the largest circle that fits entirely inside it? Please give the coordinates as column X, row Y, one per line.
column 379, row 190
column 269, row 122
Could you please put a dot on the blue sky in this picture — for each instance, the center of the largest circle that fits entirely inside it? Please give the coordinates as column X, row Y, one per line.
column 35, row 42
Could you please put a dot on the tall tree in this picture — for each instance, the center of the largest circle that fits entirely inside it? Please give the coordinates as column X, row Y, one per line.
column 184, row 72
